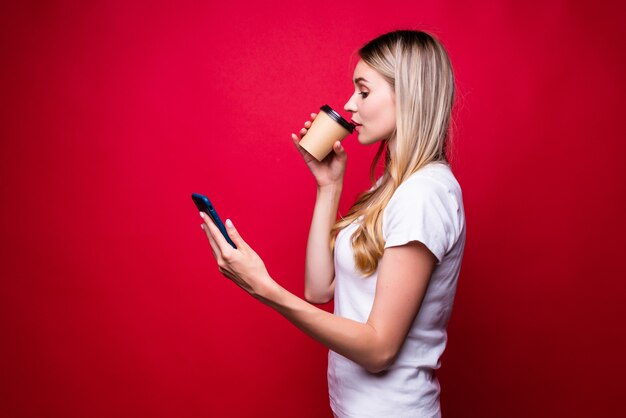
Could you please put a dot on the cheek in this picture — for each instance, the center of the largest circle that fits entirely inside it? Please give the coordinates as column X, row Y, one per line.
column 385, row 114
column 388, row 120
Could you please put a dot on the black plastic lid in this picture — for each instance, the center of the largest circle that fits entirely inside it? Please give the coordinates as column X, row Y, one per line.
column 338, row 118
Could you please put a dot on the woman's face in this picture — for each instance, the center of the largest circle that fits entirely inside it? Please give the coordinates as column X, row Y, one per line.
column 372, row 105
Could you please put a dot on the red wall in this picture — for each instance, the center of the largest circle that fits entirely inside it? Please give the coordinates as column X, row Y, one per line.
column 111, row 115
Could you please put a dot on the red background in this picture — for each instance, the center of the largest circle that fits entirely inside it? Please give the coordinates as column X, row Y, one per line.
column 112, row 114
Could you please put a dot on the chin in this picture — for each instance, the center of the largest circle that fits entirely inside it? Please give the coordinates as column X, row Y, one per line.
column 364, row 140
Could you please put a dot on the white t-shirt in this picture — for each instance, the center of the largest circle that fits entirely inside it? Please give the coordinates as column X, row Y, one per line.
column 428, row 208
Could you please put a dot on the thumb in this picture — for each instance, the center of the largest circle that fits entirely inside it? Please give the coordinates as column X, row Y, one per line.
column 339, row 150
column 234, row 234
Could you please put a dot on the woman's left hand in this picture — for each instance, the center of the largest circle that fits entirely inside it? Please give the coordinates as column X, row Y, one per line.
column 241, row 265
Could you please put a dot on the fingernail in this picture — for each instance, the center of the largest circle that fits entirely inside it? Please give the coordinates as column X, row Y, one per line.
column 229, row 223
column 202, row 226
column 201, row 215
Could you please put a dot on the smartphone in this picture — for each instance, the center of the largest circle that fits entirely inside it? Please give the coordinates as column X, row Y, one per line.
column 204, row 205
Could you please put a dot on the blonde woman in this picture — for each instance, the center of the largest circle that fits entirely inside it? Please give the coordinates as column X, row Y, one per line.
column 392, row 262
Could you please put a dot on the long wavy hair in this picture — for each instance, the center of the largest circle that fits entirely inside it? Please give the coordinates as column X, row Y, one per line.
column 417, row 67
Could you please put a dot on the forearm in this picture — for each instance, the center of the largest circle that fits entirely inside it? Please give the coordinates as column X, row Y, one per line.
column 319, row 266
column 356, row 341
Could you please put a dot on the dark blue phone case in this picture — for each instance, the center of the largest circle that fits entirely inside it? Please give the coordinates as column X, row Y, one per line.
column 204, row 204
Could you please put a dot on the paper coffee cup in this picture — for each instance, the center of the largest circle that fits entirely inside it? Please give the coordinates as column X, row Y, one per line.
column 327, row 128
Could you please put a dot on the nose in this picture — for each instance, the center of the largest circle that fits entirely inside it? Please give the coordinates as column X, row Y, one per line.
column 350, row 105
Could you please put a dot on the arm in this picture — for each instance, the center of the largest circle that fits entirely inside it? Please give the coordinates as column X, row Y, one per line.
column 319, row 272
column 402, row 281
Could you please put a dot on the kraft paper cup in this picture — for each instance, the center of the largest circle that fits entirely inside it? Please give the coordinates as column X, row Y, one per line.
column 327, row 128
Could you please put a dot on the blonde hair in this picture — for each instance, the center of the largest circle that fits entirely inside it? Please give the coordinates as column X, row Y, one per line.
column 417, row 67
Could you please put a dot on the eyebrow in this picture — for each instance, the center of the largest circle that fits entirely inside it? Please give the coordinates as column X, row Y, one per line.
column 358, row 79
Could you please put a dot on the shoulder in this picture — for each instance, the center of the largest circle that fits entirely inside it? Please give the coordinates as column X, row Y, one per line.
column 435, row 180
column 427, row 207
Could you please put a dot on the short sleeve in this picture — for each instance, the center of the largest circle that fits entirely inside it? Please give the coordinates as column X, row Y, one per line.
column 425, row 210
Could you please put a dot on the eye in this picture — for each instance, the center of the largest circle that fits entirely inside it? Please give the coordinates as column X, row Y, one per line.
column 364, row 94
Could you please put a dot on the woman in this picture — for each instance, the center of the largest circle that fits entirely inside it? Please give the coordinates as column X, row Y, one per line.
column 392, row 262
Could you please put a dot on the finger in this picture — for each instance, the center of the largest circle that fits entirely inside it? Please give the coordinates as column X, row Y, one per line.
column 234, row 234
column 212, row 244
column 313, row 115
column 294, row 137
column 307, row 124
column 303, row 132
column 339, row 150
column 307, row 156
column 296, row 142
column 223, row 246
column 214, row 247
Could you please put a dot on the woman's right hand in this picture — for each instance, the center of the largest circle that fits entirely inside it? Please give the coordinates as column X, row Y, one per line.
column 330, row 170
